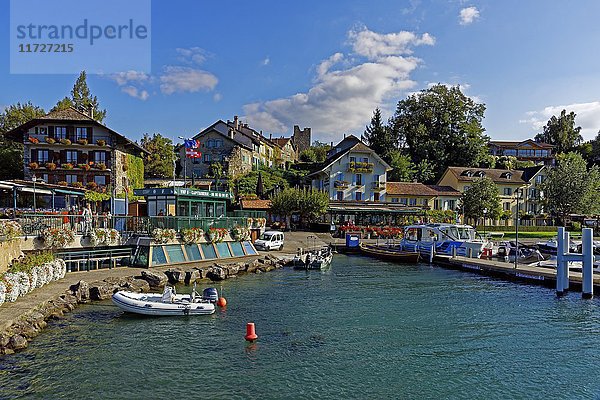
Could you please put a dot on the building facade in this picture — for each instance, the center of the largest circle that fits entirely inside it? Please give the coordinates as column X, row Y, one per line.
column 527, row 150
column 352, row 171
column 416, row 194
column 69, row 148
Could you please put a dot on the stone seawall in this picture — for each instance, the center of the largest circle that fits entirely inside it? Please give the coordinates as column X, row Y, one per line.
column 32, row 322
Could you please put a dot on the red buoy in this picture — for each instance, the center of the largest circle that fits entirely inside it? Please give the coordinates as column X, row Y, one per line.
column 251, row 335
column 222, row 302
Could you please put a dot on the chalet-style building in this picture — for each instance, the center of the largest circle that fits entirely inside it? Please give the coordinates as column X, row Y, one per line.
column 415, row 194
column 508, row 182
column 352, row 171
column 527, row 150
column 69, row 148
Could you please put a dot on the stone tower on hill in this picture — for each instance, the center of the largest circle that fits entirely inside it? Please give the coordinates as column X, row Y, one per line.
column 301, row 139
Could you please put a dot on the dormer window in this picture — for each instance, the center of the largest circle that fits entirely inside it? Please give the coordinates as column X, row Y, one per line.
column 467, row 172
column 506, row 175
column 480, row 174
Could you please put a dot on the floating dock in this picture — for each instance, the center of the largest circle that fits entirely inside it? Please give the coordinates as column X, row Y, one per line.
column 543, row 276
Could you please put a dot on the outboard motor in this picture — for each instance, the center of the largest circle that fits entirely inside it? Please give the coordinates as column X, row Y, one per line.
column 210, row 294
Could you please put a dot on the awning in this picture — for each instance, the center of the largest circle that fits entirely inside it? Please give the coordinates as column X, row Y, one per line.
column 37, row 191
column 63, row 191
column 4, row 186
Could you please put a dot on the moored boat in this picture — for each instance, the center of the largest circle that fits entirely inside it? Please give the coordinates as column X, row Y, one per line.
column 392, row 253
column 314, row 259
column 168, row 303
column 445, row 239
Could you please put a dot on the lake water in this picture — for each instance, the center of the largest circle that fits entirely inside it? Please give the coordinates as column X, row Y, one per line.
column 363, row 329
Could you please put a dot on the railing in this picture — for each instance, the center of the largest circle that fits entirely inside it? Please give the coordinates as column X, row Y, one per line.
column 341, row 184
column 34, row 224
column 360, row 166
column 378, row 186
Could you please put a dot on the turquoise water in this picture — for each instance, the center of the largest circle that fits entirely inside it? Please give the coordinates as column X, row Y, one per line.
column 364, row 329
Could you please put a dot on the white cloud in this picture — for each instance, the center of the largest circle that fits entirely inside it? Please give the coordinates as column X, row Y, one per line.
column 464, row 88
column 123, row 78
column 135, row 92
column 266, row 61
column 342, row 99
column 192, row 55
column 185, row 79
column 588, row 117
column 217, row 97
column 468, row 15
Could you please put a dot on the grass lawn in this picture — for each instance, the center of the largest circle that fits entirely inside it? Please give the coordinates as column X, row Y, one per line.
column 532, row 235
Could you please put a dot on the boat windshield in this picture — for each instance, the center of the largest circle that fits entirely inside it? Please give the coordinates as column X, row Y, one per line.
column 466, row 233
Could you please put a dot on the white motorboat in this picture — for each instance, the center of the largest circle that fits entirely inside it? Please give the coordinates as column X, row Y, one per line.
column 165, row 304
column 444, row 238
column 313, row 259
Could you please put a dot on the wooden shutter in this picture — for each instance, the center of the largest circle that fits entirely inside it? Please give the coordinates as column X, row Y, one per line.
column 56, row 157
column 79, row 156
column 34, row 155
column 63, row 156
column 51, row 131
column 90, row 138
column 71, row 133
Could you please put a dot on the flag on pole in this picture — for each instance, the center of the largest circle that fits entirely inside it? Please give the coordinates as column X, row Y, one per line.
column 191, row 148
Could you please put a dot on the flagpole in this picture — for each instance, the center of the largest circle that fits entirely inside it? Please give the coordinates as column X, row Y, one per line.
column 184, row 161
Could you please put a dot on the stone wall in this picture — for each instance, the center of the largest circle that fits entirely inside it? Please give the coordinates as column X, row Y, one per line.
column 301, row 138
column 9, row 250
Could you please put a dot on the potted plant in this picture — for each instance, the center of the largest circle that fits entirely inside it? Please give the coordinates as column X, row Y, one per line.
column 77, row 184
column 50, row 166
column 82, row 142
column 66, row 142
column 34, row 165
column 84, row 167
column 101, row 142
column 101, row 166
column 50, row 140
column 62, row 183
column 33, row 140
column 91, row 186
column 68, row 166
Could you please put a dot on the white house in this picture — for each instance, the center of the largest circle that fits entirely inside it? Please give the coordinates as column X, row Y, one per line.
column 352, row 171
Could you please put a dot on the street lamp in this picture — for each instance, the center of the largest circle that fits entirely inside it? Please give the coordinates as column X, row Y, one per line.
column 485, row 210
column 517, row 217
column 34, row 180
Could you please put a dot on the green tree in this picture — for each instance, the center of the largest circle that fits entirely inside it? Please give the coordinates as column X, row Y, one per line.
column 159, row 163
column 216, row 172
column 308, row 203
column 379, row 137
column 561, row 132
column 315, row 153
column 443, row 126
column 63, row 104
column 424, row 172
column 11, row 153
column 482, row 195
column 571, row 187
column 246, row 184
column 403, row 168
column 506, row 162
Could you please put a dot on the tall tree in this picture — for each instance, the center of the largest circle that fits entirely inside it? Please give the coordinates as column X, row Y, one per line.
column 561, row 132
column 159, row 163
column 82, row 100
column 442, row 126
column 307, row 203
column 403, row 168
column 482, row 195
column 379, row 137
column 11, row 153
column 571, row 187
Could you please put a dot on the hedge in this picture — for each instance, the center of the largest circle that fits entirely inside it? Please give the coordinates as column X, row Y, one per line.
column 492, row 228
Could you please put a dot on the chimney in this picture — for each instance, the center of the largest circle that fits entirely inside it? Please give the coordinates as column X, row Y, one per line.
column 331, row 146
column 236, row 122
column 230, row 133
column 91, row 111
column 344, row 136
column 270, row 135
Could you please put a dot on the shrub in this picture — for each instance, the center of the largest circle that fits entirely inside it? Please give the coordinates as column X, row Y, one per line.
column 101, row 166
column 62, row 183
column 9, row 229
column 77, row 184
column 92, row 186
column 68, row 166
column 101, row 142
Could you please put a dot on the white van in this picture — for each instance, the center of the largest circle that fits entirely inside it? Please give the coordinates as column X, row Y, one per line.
column 270, row 240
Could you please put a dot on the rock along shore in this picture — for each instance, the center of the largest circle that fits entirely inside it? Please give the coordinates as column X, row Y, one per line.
column 29, row 324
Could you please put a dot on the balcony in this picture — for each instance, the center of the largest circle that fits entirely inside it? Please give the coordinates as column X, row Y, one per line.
column 378, row 186
column 341, row 184
column 360, row 167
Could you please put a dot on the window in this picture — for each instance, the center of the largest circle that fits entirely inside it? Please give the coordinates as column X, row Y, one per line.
column 506, row 206
column 375, row 178
column 219, row 143
column 424, row 202
column 71, row 156
column 358, row 196
column 42, row 156
column 376, row 196
column 71, row 178
column 507, row 191
column 44, row 178
column 451, row 204
column 81, row 133
column 365, row 159
column 100, row 180
column 210, row 143
column 394, row 200
column 404, row 201
column 412, row 202
column 206, row 158
column 539, row 179
column 358, row 180
column 340, row 195
column 60, row 132
column 100, row 157
column 352, row 159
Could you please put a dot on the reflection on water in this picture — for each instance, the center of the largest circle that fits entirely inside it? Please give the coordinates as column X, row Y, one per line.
column 363, row 329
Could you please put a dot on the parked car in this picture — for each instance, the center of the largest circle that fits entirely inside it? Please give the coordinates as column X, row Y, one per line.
column 270, row 240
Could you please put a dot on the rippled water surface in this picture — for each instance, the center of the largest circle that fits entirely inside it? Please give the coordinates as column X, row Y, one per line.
column 364, row 329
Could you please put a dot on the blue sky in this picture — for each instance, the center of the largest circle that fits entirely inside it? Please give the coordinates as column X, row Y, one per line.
column 328, row 64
